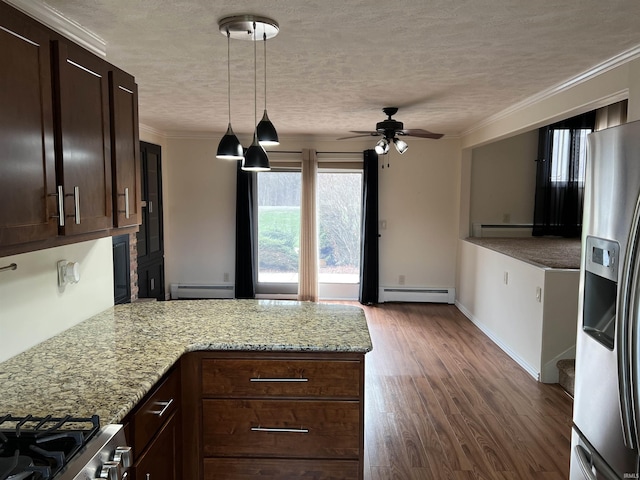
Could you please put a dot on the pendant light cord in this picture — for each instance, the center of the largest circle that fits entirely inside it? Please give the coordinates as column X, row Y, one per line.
column 265, row 70
column 229, row 73
column 255, row 78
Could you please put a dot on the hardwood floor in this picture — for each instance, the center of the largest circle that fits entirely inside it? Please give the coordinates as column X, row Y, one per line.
column 444, row 402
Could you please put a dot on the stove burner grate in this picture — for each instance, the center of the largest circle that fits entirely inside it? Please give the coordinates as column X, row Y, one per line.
column 37, row 448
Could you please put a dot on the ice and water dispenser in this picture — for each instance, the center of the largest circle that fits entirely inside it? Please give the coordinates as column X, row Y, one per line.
column 600, row 290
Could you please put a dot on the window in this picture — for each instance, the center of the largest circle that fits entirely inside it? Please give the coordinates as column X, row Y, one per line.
column 278, row 226
column 339, row 218
column 560, row 176
column 338, row 223
column 569, row 153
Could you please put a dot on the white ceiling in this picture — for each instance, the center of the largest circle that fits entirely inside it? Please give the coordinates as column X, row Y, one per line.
column 448, row 64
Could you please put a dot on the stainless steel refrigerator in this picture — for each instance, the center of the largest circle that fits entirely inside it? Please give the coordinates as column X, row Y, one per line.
column 606, row 414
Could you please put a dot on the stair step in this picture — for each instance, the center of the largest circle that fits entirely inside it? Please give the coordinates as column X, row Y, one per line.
column 567, row 369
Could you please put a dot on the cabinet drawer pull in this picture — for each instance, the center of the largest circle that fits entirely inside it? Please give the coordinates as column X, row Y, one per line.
column 280, row 430
column 290, row 380
column 164, row 405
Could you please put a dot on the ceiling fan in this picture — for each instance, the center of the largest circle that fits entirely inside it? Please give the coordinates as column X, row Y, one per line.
column 390, row 130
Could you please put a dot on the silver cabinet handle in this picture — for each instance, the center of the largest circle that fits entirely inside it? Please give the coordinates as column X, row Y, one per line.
column 280, row 430
column 165, row 406
column 276, row 380
column 76, row 201
column 152, row 283
column 126, row 202
column 60, row 194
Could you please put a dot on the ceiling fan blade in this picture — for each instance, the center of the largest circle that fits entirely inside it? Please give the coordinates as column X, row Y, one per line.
column 361, row 133
column 418, row 132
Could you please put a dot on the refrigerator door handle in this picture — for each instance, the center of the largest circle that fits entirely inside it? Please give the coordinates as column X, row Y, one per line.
column 592, row 467
column 629, row 309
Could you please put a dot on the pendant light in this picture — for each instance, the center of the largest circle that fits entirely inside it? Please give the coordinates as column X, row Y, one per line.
column 256, row 159
column 267, row 134
column 229, row 147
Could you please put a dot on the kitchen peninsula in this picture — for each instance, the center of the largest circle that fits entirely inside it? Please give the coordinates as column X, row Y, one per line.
column 112, row 363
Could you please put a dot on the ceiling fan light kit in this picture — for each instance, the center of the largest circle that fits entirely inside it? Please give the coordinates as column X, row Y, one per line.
column 389, row 130
column 382, row 147
column 401, row 145
column 252, row 28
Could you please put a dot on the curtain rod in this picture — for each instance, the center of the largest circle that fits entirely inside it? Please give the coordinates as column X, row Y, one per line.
column 300, row 152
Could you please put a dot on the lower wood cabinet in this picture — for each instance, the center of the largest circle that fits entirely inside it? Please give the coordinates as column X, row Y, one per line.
column 155, row 431
column 160, row 460
column 277, row 469
column 271, row 415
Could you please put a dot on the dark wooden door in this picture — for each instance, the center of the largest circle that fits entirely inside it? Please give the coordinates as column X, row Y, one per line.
column 27, row 162
column 125, row 149
column 83, row 139
column 150, row 235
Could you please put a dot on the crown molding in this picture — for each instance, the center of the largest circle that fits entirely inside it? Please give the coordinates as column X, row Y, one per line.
column 607, row 65
column 55, row 20
column 151, row 130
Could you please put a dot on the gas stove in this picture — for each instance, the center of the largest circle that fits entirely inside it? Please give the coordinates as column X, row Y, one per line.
column 64, row 448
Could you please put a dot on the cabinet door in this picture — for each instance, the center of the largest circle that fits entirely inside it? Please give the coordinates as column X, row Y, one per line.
column 125, row 149
column 160, row 460
column 83, row 139
column 27, row 164
column 151, row 280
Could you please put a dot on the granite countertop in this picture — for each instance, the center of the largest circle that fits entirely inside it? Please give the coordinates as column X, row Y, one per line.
column 543, row 252
column 107, row 363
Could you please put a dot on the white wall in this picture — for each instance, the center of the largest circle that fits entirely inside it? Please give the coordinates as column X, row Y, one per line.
column 503, row 180
column 418, row 198
column 33, row 307
column 419, row 201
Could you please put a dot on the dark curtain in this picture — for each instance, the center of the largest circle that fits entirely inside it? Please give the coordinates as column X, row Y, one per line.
column 245, row 276
column 369, row 276
column 559, row 202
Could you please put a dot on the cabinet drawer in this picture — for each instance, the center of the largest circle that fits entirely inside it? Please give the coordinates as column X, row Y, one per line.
column 281, row 428
column 148, row 419
column 278, row 469
column 281, row 378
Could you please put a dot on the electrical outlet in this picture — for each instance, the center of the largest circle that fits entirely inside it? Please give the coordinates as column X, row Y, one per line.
column 401, row 279
column 225, row 277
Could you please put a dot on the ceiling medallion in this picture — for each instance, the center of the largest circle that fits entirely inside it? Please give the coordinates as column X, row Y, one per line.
column 241, row 27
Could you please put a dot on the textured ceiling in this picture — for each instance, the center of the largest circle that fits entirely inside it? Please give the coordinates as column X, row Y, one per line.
column 447, row 63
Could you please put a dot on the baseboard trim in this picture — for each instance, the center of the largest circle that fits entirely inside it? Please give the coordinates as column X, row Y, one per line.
column 495, row 339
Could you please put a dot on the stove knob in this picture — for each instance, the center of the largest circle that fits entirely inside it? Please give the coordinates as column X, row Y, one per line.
column 124, row 456
column 110, row 471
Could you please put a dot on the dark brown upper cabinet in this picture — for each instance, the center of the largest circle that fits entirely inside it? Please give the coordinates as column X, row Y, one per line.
column 125, row 149
column 83, row 143
column 27, row 163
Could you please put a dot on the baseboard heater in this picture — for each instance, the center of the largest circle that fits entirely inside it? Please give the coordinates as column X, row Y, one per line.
column 417, row 294
column 502, row 229
column 189, row 291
